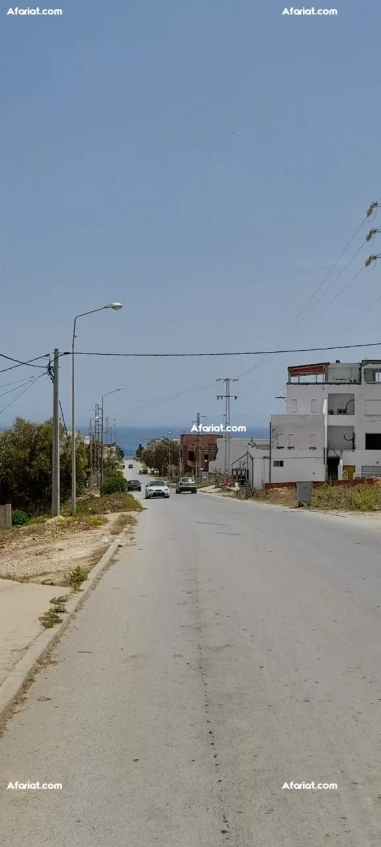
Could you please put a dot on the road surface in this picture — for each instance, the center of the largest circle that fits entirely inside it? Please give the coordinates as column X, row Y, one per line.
column 234, row 648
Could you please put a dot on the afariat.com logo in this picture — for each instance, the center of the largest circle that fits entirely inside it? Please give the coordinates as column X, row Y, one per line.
column 37, row 11
column 312, row 11
column 217, row 428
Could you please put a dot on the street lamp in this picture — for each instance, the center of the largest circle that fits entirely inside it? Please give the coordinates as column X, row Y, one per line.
column 115, row 306
column 102, row 427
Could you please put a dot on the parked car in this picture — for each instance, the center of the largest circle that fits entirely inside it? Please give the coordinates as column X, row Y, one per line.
column 134, row 485
column 145, row 470
column 186, row 483
column 156, row 488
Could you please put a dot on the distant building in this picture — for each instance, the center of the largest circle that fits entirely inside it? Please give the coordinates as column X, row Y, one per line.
column 249, row 459
column 332, row 425
column 197, row 450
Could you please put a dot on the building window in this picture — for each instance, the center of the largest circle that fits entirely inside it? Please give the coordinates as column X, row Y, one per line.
column 280, row 441
column 291, row 441
column 277, row 463
column 373, row 441
column 312, row 441
column 294, row 405
column 313, row 406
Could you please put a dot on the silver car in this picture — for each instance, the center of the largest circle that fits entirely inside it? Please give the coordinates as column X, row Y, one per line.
column 156, row 488
column 186, row 483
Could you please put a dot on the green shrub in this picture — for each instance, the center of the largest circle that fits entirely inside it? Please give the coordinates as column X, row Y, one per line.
column 20, row 518
column 114, row 484
column 76, row 577
column 364, row 499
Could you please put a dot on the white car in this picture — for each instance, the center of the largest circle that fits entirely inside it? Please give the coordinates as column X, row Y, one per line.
column 156, row 488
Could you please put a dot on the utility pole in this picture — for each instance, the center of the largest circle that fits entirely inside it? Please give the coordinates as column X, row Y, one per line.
column 97, row 442
column 197, row 451
column 197, row 445
column 227, row 396
column 56, row 499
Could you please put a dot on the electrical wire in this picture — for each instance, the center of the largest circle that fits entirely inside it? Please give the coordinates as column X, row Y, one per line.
column 17, row 387
column 296, row 320
column 19, row 364
column 231, row 352
column 339, row 293
column 359, row 317
column 28, row 387
column 16, row 381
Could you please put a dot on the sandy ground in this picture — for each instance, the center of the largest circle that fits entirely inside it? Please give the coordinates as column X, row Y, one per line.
column 20, row 607
column 44, row 553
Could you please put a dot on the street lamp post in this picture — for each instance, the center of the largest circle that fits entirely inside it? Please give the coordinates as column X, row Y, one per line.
column 102, row 426
column 115, row 306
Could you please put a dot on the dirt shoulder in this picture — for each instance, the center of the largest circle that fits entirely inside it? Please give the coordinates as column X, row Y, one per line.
column 37, row 557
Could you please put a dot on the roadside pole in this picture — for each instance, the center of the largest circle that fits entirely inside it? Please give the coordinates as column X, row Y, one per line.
column 56, row 497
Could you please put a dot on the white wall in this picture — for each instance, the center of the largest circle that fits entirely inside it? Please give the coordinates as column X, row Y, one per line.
column 298, row 469
column 300, row 463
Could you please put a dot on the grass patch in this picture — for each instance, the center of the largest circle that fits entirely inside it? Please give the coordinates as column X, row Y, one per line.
column 123, row 521
column 50, row 619
column 118, row 502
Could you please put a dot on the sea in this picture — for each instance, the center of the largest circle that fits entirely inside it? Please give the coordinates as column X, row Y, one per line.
column 129, row 437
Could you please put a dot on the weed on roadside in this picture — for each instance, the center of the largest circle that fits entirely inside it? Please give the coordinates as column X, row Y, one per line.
column 75, row 578
column 123, row 521
column 50, row 619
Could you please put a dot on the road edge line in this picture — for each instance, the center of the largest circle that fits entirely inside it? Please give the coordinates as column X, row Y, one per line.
column 24, row 670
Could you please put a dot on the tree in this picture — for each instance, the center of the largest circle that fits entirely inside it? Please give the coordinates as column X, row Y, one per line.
column 158, row 454
column 26, row 466
column 119, row 453
column 139, row 452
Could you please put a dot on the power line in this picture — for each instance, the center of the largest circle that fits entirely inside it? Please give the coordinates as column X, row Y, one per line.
column 19, row 364
column 326, row 292
column 296, row 320
column 299, row 319
column 359, row 317
column 17, row 387
column 16, row 381
column 231, row 352
column 28, row 387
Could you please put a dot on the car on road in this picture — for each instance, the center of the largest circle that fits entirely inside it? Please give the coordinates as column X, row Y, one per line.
column 186, row 483
column 145, row 470
column 130, row 466
column 134, row 485
column 156, row 488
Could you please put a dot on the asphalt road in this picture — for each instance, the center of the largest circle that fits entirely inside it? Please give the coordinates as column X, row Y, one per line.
column 233, row 649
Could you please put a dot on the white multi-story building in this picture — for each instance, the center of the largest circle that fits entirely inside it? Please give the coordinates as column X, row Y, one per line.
column 332, row 425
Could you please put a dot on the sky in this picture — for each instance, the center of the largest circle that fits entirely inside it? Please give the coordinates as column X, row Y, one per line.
column 204, row 163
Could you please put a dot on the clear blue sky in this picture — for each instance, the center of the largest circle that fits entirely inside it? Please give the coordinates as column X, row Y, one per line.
column 203, row 162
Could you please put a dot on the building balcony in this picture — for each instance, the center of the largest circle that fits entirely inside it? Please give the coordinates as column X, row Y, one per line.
column 341, row 405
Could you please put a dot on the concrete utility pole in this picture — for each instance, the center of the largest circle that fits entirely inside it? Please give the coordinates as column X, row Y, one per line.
column 56, row 499
column 227, row 396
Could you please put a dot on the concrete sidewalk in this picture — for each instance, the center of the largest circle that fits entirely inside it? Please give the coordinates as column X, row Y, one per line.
column 21, row 604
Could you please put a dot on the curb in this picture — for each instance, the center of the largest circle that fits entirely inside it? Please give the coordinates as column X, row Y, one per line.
column 25, row 668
